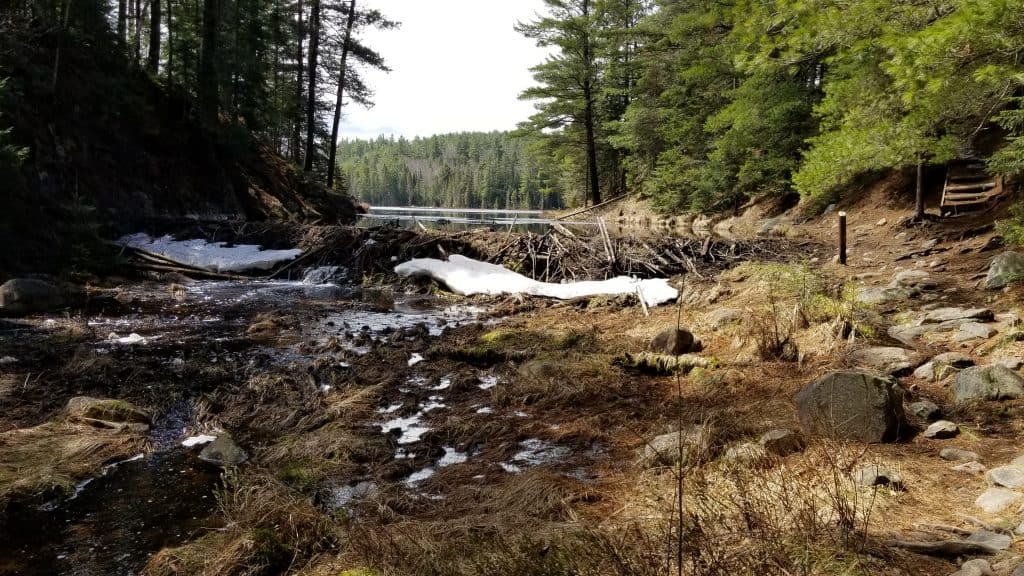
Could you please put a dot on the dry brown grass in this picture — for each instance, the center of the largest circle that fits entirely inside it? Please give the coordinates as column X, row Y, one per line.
column 270, row 529
column 47, row 460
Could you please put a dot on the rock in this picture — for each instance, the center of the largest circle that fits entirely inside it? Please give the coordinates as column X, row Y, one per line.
column 747, row 454
column 974, row 331
column 775, row 226
column 940, row 315
column 995, row 500
column 993, row 382
column 1007, row 477
column 782, row 442
column 1011, row 363
column 924, row 409
column 881, row 222
column 1018, row 462
column 925, row 371
column 876, row 475
column 874, row 296
column 908, row 333
column 913, row 279
column 976, row 567
column 1019, row 570
column 673, row 341
column 722, row 317
column 664, row 449
column 223, row 452
column 942, row 429
column 970, row 468
column 1005, row 268
column 884, row 359
column 1008, row 319
column 23, row 296
column 993, row 540
column 954, row 359
column 105, row 411
column 958, row 455
column 852, row 405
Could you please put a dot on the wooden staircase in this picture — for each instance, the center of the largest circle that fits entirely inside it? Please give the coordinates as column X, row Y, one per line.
column 968, row 187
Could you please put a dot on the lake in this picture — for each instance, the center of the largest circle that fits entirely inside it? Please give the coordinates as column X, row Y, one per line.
column 455, row 219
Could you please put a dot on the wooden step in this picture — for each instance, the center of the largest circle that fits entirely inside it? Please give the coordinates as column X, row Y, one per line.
column 977, row 187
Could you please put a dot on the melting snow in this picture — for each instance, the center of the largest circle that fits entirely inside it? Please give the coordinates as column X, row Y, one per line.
column 416, row 359
column 213, row 256
column 451, row 458
column 8, row 360
column 411, row 427
column 487, row 382
column 129, row 340
column 197, row 440
column 467, row 277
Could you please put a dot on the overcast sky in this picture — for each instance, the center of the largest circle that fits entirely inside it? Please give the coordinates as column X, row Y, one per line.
column 457, row 65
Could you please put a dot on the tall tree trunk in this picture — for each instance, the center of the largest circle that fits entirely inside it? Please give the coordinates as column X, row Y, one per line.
column 209, row 100
column 122, row 22
column 170, row 43
column 138, row 31
column 153, row 60
column 314, row 53
column 297, row 127
column 332, row 158
column 60, row 41
column 588, row 113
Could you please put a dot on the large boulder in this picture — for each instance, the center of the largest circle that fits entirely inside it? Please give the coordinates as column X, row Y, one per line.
column 852, row 405
column 105, row 412
column 1005, row 268
column 690, row 445
column 993, row 382
column 673, row 341
column 23, row 296
column 223, row 452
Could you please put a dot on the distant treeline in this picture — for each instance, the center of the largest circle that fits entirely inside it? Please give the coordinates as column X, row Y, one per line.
column 465, row 170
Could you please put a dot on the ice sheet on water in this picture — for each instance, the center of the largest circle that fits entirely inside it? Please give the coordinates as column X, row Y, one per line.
column 466, row 276
column 215, row 256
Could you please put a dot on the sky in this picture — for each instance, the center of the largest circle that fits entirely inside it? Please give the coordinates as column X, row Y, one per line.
column 457, row 65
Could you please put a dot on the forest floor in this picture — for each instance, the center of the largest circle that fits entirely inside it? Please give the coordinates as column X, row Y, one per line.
column 393, row 428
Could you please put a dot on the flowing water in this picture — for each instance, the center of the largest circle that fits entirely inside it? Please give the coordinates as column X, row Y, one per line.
column 113, row 523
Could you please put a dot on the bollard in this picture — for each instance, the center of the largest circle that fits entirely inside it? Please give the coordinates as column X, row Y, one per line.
column 842, row 238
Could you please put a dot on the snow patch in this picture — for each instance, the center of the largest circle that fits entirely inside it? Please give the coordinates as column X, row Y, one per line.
column 129, row 340
column 466, row 276
column 415, row 359
column 214, row 256
column 197, row 440
column 8, row 360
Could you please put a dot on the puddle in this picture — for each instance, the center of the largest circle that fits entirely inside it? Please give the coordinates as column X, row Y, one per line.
column 535, row 452
column 451, row 458
column 344, row 496
column 488, row 381
column 116, row 521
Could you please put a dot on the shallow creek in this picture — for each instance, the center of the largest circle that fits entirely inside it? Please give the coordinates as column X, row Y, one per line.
column 114, row 522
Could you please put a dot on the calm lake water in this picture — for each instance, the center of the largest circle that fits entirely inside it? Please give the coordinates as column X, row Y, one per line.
column 455, row 219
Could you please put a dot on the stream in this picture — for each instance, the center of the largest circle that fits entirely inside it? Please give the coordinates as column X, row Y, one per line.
column 115, row 522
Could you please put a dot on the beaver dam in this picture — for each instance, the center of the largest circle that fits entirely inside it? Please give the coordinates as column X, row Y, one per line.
column 324, row 412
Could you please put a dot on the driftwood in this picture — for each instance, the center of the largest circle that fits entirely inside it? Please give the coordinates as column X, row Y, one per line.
column 944, row 548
